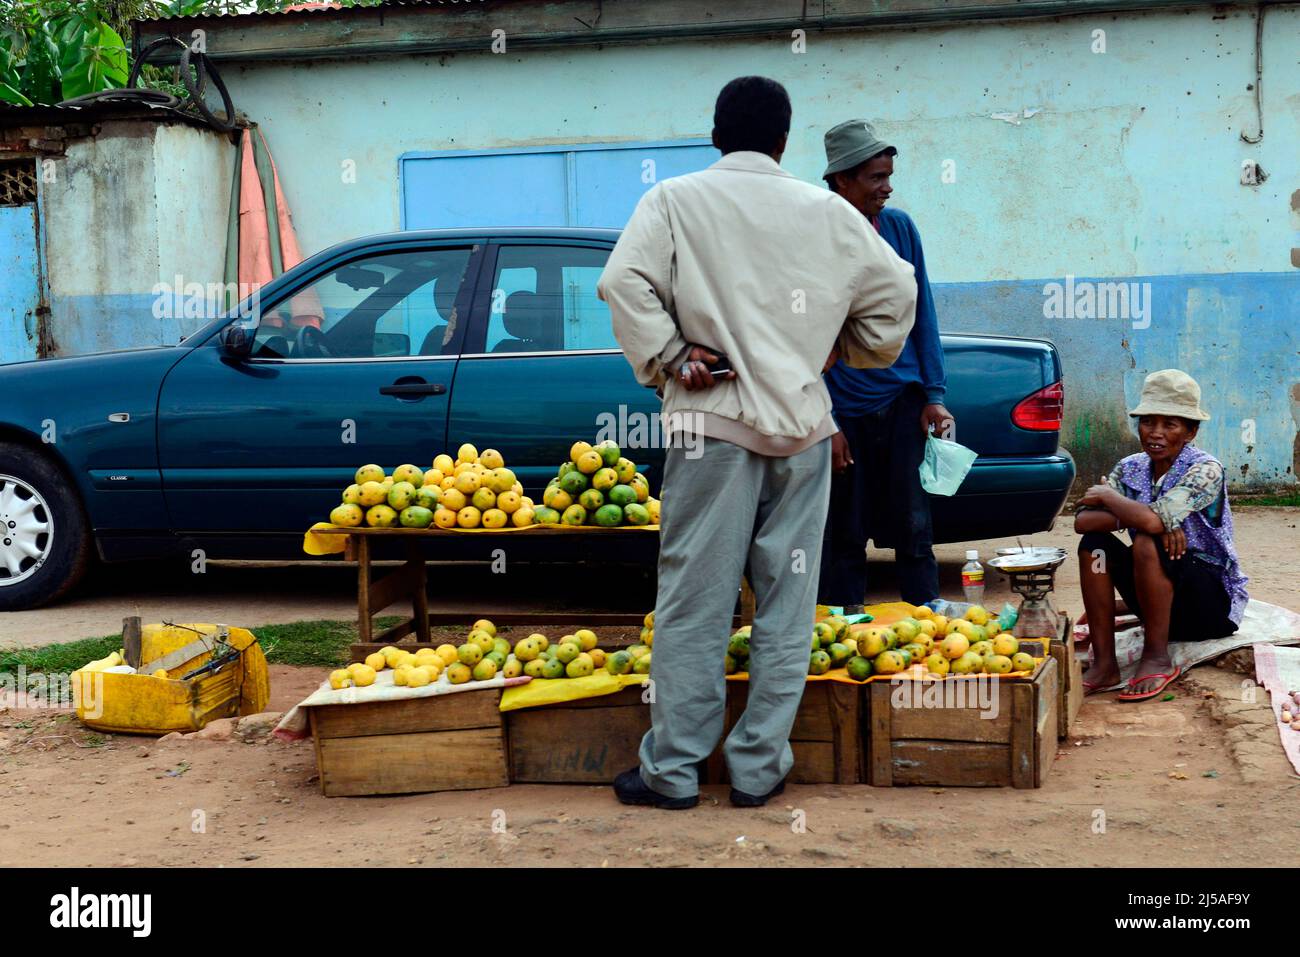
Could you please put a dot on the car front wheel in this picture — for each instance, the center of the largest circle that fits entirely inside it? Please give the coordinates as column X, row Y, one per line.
column 44, row 539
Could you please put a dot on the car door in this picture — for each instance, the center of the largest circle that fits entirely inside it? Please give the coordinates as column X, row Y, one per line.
column 351, row 365
column 541, row 369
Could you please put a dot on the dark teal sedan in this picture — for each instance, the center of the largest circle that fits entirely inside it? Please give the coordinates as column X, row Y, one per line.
column 391, row 349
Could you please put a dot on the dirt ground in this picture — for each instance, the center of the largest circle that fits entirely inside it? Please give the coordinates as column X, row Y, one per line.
column 1199, row 780
column 1194, row 781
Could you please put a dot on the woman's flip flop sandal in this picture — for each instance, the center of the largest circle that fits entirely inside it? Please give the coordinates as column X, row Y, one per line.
column 1147, row 695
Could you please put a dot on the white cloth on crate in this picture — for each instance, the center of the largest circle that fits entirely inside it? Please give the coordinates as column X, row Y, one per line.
column 295, row 726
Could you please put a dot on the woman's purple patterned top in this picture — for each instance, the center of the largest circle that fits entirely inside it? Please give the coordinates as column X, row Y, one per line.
column 1191, row 495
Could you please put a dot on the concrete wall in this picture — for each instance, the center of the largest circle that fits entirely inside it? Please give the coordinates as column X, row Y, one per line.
column 128, row 209
column 1115, row 166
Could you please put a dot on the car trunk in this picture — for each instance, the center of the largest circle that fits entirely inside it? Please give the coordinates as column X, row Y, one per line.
column 988, row 376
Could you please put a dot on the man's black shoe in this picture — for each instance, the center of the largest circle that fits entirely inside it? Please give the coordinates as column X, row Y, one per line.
column 632, row 790
column 741, row 799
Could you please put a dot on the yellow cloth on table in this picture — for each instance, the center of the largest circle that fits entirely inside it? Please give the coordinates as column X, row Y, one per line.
column 889, row 612
column 314, row 544
column 835, row 674
column 886, row 614
column 556, row 691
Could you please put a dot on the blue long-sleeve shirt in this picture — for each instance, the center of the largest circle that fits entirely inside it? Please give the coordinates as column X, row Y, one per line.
column 861, row 391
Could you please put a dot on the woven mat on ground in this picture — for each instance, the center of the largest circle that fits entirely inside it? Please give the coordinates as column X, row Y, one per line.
column 1262, row 624
column 1278, row 670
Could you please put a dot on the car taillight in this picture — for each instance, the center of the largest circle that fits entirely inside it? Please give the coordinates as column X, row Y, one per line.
column 1041, row 411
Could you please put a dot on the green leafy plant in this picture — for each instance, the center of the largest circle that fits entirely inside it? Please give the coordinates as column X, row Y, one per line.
column 54, row 50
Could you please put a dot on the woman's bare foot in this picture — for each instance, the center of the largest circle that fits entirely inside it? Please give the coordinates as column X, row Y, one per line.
column 1101, row 675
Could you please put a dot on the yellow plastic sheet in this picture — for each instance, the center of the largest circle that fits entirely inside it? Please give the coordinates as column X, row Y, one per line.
column 556, row 691
column 315, row 544
column 835, row 674
column 887, row 613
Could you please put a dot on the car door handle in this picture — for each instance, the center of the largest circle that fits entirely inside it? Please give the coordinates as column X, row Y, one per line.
column 413, row 388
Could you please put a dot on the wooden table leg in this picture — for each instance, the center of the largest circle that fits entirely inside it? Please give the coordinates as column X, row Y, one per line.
column 420, row 594
column 362, row 549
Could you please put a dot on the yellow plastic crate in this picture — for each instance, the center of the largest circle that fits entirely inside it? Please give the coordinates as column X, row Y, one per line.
column 143, row 704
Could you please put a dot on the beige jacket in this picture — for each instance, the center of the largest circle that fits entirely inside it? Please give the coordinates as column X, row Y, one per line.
column 771, row 271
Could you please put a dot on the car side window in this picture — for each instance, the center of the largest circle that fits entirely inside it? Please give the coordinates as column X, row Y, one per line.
column 544, row 300
column 391, row 304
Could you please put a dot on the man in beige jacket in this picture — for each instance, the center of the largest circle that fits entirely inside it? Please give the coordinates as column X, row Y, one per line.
column 743, row 261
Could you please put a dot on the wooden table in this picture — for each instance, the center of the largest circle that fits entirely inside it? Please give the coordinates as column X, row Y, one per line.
column 409, row 581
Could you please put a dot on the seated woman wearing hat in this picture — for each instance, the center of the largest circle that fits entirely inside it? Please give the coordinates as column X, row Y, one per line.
column 1180, row 576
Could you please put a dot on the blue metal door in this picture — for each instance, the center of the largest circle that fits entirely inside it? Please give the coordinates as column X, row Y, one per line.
column 20, row 283
column 585, row 185
column 494, row 190
column 608, row 183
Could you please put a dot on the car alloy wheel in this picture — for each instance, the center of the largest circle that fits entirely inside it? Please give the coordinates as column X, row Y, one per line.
column 26, row 530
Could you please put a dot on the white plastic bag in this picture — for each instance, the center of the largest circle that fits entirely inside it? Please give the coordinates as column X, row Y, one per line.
column 945, row 465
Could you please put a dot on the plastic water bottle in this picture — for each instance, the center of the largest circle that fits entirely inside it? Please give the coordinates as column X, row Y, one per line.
column 972, row 578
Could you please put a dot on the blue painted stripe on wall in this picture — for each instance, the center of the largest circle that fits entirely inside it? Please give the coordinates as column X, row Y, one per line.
column 1235, row 333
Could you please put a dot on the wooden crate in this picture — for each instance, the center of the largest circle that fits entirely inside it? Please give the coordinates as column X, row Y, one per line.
column 1070, row 676
column 592, row 740
column 826, row 738
column 449, row 742
column 589, row 741
column 956, row 747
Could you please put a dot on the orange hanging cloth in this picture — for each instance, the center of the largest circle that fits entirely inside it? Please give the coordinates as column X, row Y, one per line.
column 266, row 244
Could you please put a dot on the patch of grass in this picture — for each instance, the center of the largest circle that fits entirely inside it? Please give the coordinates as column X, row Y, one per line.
column 1281, row 500
column 312, row 643
column 320, row 643
column 61, row 658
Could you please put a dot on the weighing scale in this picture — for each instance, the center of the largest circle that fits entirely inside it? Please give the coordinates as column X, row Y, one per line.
column 1032, row 572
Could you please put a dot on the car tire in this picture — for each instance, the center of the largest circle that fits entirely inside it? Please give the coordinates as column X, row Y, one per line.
column 45, row 541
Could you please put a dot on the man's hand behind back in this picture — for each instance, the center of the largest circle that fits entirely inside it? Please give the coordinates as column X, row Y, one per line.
column 695, row 374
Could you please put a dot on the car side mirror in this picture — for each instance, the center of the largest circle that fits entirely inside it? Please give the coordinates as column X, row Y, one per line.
column 236, row 340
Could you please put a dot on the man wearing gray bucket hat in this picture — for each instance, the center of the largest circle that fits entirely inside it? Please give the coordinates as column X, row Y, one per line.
column 883, row 414
column 1180, row 575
